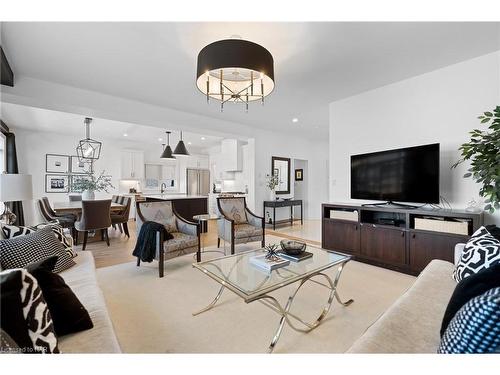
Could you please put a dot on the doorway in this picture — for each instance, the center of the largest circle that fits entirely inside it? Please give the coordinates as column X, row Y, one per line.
column 300, row 178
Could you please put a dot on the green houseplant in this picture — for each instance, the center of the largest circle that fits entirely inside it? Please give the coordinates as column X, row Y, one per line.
column 89, row 183
column 483, row 150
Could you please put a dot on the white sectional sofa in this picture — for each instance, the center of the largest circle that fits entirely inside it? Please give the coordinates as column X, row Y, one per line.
column 413, row 322
column 82, row 279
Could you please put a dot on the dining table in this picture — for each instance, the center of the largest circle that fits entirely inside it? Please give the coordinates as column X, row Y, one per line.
column 75, row 207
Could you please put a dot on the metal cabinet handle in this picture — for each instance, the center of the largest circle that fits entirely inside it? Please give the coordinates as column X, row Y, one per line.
column 413, row 236
column 402, row 234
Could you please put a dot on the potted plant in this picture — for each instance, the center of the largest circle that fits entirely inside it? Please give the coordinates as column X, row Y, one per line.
column 271, row 182
column 88, row 184
column 483, row 150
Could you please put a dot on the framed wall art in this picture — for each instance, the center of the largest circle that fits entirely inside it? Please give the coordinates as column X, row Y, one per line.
column 56, row 183
column 77, row 166
column 299, row 174
column 55, row 163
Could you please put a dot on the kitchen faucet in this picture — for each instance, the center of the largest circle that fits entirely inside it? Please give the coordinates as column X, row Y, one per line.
column 163, row 187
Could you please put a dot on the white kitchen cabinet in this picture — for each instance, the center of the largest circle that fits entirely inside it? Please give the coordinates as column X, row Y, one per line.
column 132, row 165
column 218, row 170
column 197, row 161
column 231, row 155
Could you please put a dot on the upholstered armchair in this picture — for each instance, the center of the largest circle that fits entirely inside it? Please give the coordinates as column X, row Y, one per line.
column 237, row 224
column 186, row 233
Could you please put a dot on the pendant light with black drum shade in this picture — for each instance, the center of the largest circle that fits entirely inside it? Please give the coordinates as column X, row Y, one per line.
column 167, row 151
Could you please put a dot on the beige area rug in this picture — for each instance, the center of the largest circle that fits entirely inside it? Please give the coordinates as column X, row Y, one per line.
column 153, row 315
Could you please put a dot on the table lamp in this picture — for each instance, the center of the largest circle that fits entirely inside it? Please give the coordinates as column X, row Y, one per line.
column 13, row 188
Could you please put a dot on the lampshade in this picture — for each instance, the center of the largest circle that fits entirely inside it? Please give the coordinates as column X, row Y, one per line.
column 15, row 187
column 167, row 151
column 180, row 149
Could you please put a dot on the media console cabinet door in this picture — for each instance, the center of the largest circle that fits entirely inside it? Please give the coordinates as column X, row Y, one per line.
column 341, row 236
column 425, row 247
column 387, row 245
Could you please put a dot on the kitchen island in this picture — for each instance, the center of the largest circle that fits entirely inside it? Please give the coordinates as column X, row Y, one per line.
column 186, row 205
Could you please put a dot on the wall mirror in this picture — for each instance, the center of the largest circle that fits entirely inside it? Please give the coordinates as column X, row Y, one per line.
column 281, row 167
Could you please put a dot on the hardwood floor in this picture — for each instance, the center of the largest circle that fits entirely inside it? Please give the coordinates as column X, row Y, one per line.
column 121, row 247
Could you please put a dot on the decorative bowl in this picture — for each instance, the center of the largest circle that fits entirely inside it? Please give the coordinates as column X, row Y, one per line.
column 293, row 247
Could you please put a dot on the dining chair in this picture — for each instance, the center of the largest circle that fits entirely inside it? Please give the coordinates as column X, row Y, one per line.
column 95, row 216
column 75, row 197
column 49, row 215
column 237, row 223
column 114, row 199
column 121, row 219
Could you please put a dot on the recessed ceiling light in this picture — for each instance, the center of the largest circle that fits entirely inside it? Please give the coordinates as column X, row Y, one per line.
column 125, row 134
column 160, row 139
column 202, row 138
column 189, row 143
column 295, row 119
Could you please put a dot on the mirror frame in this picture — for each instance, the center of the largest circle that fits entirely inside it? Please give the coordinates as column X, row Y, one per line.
column 277, row 158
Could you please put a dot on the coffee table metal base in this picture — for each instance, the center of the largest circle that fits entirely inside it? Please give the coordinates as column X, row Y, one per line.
column 284, row 312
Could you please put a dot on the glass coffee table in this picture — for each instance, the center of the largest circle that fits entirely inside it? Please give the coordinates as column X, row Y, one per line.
column 239, row 275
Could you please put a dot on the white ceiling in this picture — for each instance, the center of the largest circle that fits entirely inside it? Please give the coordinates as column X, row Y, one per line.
column 30, row 118
column 315, row 63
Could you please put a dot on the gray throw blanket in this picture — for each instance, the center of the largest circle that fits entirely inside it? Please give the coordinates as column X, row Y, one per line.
column 145, row 247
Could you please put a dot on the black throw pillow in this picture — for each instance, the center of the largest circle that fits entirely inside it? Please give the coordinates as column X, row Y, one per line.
column 494, row 231
column 68, row 313
column 468, row 288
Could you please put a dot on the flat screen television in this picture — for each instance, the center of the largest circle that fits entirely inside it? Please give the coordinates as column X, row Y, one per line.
column 403, row 175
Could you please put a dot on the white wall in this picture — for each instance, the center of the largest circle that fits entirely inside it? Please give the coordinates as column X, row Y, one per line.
column 440, row 106
column 268, row 144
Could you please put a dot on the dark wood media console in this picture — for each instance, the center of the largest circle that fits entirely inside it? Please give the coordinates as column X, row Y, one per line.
column 390, row 238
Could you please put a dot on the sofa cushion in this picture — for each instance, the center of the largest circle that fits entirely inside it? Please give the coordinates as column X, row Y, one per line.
column 20, row 251
column 234, row 209
column 469, row 288
column 476, row 326
column 411, row 324
column 481, row 251
column 246, row 231
column 180, row 241
column 24, row 314
column 68, row 313
column 82, row 280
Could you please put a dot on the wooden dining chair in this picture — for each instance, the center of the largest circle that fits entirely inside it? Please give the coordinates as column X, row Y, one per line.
column 120, row 219
column 95, row 216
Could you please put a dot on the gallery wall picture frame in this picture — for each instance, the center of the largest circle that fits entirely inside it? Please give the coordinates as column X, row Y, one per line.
column 77, row 166
column 56, row 183
column 55, row 163
column 299, row 174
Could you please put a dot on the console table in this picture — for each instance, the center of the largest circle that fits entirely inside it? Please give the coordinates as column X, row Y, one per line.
column 394, row 237
column 285, row 203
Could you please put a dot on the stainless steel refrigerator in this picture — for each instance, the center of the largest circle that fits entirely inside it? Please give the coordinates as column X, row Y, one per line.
column 198, row 181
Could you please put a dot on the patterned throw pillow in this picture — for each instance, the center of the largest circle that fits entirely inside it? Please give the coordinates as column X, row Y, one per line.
column 234, row 209
column 476, row 326
column 11, row 231
column 25, row 315
column 481, row 251
column 20, row 251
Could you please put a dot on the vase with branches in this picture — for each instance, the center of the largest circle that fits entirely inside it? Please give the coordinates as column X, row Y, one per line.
column 272, row 181
column 483, row 151
column 89, row 183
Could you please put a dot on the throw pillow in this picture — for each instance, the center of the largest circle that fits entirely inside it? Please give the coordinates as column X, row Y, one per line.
column 480, row 252
column 24, row 314
column 68, row 313
column 11, row 231
column 7, row 344
column 468, row 288
column 18, row 252
column 494, row 231
column 476, row 326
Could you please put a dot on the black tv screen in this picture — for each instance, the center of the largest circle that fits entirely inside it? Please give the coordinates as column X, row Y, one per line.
column 403, row 175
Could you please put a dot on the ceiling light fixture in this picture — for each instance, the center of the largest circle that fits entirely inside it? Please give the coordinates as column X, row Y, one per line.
column 167, row 151
column 235, row 70
column 180, row 149
column 125, row 134
column 295, row 119
column 202, row 138
column 88, row 149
